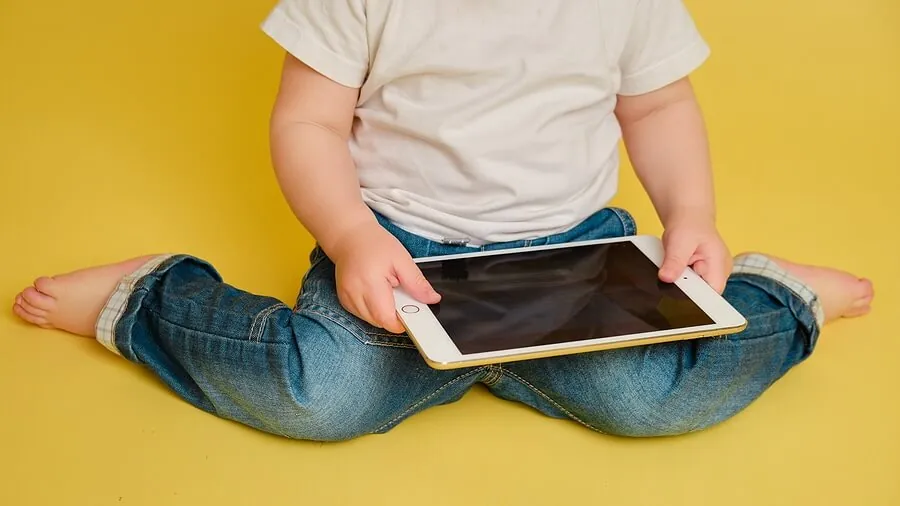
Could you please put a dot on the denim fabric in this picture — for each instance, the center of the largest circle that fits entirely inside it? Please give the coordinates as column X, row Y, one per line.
column 316, row 372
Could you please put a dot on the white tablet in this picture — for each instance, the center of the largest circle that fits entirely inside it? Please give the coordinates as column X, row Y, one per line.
column 508, row 305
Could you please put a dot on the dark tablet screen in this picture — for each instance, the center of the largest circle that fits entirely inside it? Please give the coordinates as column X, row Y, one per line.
column 532, row 298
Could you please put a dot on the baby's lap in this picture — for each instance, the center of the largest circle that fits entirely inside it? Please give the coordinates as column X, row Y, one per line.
column 318, row 297
column 326, row 329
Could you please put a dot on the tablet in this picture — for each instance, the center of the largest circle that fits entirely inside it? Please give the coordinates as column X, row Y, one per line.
column 537, row 302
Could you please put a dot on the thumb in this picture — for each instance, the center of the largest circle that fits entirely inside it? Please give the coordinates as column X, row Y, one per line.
column 678, row 252
column 413, row 281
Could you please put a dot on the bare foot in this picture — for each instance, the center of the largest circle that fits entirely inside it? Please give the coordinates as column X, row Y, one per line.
column 841, row 294
column 72, row 302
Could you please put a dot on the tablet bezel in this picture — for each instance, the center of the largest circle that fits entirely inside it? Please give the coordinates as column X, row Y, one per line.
column 440, row 352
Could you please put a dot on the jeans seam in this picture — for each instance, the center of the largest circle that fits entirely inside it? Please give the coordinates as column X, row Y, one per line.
column 547, row 398
column 494, row 373
column 358, row 333
column 198, row 331
column 259, row 322
column 388, row 344
column 306, row 290
column 629, row 227
column 383, row 334
column 425, row 399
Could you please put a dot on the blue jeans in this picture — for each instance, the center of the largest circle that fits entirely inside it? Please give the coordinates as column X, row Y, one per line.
column 316, row 372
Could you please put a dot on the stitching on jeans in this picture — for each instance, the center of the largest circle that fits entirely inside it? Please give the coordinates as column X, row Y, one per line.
column 629, row 227
column 182, row 326
column 384, row 334
column 551, row 401
column 329, row 315
column 427, row 398
column 324, row 313
column 388, row 344
column 259, row 322
column 252, row 332
column 493, row 376
column 261, row 319
column 349, row 326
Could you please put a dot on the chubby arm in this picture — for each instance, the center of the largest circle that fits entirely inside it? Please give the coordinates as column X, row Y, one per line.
column 666, row 140
column 310, row 128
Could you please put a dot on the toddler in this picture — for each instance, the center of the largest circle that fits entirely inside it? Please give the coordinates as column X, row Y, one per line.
column 407, row 128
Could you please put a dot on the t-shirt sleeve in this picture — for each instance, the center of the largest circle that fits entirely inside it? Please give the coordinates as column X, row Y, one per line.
column 663, row 46
column 328, row 35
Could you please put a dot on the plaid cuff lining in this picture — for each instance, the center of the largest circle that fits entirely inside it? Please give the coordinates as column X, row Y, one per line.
column 760, row 265
column 118, row 301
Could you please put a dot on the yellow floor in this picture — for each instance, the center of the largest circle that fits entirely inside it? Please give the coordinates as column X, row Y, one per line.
column 133, row 127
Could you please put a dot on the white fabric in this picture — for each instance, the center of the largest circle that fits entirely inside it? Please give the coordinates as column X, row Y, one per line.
column 490, row 120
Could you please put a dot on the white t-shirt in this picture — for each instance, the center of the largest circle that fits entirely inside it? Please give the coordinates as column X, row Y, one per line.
column 489, row 120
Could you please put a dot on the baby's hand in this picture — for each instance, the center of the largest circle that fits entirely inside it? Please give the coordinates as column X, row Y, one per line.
column 370, row 263
column 693, row 241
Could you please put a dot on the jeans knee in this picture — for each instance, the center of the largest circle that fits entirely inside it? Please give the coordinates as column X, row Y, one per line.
column 648, row 417
column 328, row 419
column 636, row 427
column 322, row 427
column 335, row 404
column 339, row 415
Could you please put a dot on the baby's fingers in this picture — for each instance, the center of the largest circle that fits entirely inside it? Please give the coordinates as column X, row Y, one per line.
column 701, row 267
column 356, row 305
column 718, row 268
column 380, row 302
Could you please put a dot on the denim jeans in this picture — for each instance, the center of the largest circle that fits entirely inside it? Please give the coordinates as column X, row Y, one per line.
column 316, row 372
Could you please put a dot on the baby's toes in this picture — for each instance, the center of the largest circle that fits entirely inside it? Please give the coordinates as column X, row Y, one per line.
column 47, row 286
column 22, row 313
column 854, row 312
column 38, row 300
column 863, row 303
column 867, row 289
column 37, row 312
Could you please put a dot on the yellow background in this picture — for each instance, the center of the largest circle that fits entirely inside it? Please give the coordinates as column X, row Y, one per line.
column 133, row 127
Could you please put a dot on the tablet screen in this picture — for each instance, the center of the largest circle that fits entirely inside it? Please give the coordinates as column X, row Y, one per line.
column 533, row 298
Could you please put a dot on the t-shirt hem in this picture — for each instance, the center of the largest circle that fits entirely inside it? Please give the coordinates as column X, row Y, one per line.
column 666, row 72
column 292, row 38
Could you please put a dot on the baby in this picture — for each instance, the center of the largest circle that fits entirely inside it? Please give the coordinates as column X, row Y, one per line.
column 431, row 127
